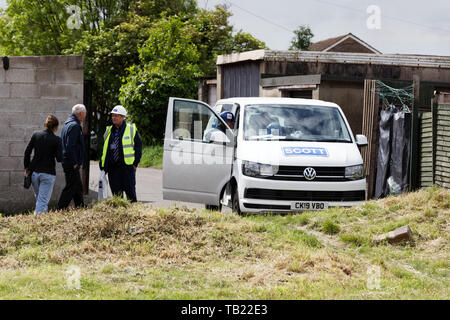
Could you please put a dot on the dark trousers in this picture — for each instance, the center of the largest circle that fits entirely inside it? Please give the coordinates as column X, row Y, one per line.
column 72, row 190
column 123, row 179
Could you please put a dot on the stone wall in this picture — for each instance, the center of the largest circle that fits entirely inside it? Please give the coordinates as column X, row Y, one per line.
column 30, row 90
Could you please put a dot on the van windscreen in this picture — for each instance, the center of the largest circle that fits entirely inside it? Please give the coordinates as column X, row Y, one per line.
column 294, row 123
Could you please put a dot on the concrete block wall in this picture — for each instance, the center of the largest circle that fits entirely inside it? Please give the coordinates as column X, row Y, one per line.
column 30, row 90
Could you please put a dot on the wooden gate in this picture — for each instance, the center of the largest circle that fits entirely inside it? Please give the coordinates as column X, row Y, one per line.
column 370, row 130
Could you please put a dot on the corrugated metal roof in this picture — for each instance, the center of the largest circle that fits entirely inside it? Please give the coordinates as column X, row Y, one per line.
column 339, row 57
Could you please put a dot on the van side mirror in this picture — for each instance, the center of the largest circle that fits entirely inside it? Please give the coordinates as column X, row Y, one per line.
column 361, row 140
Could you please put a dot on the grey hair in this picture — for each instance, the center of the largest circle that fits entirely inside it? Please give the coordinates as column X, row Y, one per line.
column 78, row 108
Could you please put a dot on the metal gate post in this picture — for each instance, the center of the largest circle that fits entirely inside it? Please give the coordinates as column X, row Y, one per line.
column 415, row 136
column 87, row 101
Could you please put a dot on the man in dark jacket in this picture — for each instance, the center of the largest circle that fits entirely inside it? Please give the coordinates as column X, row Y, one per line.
column 121, row 155
column 73, row 152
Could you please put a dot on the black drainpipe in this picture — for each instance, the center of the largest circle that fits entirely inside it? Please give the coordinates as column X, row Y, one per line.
column 5, row 63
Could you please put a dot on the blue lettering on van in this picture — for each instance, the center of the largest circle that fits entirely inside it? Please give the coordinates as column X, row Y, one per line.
column 305, row 151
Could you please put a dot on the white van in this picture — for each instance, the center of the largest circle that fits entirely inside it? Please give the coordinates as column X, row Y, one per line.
column 282, row 155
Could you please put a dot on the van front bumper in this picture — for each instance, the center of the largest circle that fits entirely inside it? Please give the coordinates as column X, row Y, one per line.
column 262, row 195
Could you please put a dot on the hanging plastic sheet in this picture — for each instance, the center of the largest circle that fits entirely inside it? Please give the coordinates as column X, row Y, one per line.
column 384, row 152
column 393, row 152
column 401, row 139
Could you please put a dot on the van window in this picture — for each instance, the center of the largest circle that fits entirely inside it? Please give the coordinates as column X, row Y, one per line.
column 227, row 107
column 194, row 121
column 294, row 123
column 219, row 108
column 236, row 123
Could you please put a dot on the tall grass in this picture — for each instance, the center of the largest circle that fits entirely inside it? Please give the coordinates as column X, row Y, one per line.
column 134, row 251
column 152, row 156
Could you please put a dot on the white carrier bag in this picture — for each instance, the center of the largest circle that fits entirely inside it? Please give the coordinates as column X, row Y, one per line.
column 102, row 186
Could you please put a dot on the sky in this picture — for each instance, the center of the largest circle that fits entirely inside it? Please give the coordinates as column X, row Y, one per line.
column 406, row 26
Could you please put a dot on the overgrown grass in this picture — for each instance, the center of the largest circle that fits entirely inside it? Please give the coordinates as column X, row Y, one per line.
column 152, row 156
column 126, row 251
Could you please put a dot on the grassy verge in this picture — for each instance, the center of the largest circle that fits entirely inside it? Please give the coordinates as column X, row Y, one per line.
column 152, row 156
column 128, row 251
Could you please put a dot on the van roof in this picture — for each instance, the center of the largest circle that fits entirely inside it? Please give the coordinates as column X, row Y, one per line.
column 267, row 100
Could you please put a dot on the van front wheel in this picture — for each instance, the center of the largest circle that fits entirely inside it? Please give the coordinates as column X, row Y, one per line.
column 235, row 206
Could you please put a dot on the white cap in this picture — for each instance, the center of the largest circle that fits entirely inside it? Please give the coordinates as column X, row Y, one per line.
column 119, row 110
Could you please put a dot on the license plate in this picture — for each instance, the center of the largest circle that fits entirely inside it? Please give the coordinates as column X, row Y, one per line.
column 309, row 205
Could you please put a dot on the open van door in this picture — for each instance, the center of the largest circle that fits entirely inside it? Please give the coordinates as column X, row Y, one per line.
column 198, row 153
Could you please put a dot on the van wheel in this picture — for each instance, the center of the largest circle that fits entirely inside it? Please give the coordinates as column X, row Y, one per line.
column 213, row 208
column 235, row 202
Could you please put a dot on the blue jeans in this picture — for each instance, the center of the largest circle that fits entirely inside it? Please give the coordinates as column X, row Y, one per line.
column 43, row 188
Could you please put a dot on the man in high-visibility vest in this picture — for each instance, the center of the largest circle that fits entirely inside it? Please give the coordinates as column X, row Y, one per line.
column 121, row 154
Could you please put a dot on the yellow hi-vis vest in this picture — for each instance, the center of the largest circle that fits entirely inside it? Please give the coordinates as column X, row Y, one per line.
column 127, row 143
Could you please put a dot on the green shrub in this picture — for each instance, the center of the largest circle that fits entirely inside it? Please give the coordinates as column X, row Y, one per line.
column 169, row 65
column 310, row 241
column 355, row 239
column 152, row 156
column 330, row 227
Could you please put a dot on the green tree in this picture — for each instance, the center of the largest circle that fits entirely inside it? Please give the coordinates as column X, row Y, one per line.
column 33, row 28
column 107, row 55
column 243, row 41
column 302, row 38
column 154, row 8
column 40, row 27
column 179, row 49
column 169, row 65
column 213, row 35
column 110, row 51
column 111, row 37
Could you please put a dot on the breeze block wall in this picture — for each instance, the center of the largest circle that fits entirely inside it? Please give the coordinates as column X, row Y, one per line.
column 30, row 90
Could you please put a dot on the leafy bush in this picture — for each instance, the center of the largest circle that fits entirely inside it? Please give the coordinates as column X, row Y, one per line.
column 152, row 156
column 168, row 68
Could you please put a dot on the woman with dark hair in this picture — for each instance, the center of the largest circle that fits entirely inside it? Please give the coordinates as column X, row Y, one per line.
column 47, row 147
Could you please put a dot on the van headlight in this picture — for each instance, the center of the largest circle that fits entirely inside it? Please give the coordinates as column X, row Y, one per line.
column 254, row 169
column 355, row 172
